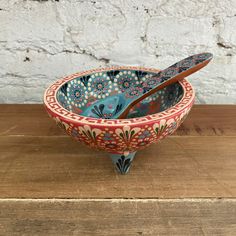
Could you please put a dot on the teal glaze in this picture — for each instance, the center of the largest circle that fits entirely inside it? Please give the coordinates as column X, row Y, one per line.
column 114, row 106
column 70, row 97
column 82, row 92
column 122, row 162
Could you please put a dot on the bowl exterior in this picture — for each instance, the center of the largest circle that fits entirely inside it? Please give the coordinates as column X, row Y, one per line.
column 124, row 138
column 119, row 136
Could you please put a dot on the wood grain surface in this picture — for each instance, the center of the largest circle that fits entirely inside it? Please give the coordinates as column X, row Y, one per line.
column 51, row 185
column 118, row 218
column 57, row 167
column 32, row 120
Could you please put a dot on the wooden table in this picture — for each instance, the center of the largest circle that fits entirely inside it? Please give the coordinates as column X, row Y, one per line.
column 51, row 185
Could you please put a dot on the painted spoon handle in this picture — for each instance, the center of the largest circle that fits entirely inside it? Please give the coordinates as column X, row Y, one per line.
column 165, row 77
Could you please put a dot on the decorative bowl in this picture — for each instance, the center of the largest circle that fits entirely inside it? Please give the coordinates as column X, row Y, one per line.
column 147, row 122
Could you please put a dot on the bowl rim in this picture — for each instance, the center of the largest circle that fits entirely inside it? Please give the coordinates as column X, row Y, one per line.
column 53, row 106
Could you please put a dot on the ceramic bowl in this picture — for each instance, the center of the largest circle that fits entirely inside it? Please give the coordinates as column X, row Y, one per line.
column 148, row 122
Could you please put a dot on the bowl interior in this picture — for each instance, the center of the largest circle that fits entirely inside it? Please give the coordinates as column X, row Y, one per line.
column 80, row 92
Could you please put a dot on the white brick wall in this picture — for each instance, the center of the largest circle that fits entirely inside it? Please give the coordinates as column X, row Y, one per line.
column 43, row 40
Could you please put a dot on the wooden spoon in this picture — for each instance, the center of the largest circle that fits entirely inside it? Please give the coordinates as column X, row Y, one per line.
column 117, row 106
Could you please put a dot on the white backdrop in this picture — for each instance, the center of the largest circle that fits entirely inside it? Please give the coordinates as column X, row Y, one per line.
column 43, row 40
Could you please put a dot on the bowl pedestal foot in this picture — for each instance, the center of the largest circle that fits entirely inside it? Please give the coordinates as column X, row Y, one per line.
column 122, row 162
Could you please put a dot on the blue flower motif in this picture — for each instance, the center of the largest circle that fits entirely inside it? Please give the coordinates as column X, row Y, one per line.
column 145, row 134
column 100, row 85
column 77, row 93
column 125, row 80
column 107, row 136
column 172, row 127
column 74, row 132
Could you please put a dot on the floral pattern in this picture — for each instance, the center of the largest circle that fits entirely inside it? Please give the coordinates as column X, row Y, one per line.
column 83, row 91
column 78, row 94
column 134, row 92
column 100, row 85
column 89, row 135
column 125, row 80
column 126, row 139
column 75, row 133
column 118, row 136
column 61, row 124
column 123, row 164
column 127, row 135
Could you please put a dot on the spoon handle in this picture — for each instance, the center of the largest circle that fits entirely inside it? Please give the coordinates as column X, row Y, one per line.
column 165, row 77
